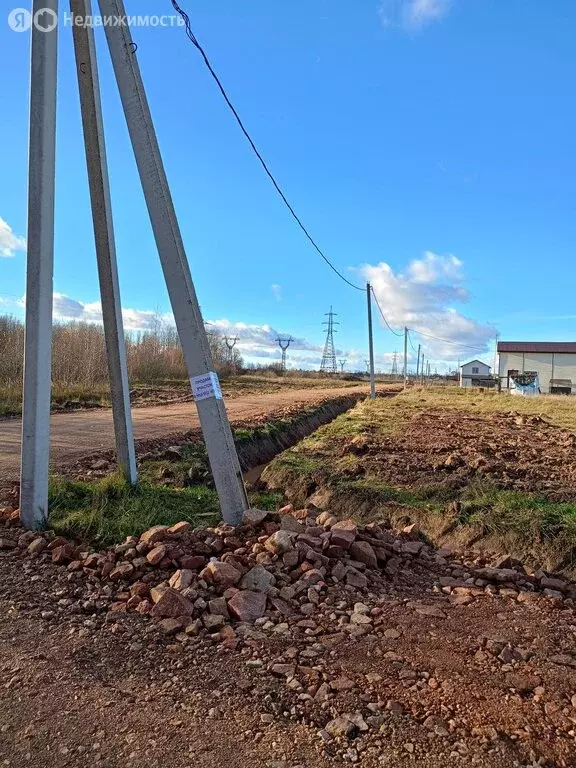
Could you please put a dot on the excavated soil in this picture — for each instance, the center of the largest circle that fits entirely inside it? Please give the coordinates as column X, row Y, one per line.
column 442, row 448
column 409, row 656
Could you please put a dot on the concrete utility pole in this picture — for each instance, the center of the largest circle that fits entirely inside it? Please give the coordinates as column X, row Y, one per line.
column 284, row 344
column 496, row 368
column 418, row 361
column 422, row 369
column 370, row 342
column 405, row 357
column 204, row 380
column 39, row 274
column 95, row 146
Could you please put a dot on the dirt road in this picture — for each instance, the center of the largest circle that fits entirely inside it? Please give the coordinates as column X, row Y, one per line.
column 77, row 434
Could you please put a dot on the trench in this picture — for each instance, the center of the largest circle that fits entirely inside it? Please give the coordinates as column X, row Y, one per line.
column 256, row 451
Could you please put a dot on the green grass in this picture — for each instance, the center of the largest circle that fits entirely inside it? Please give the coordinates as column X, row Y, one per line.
column 298, row 462
column 428, row 497
column 194, row 457
column 104, row 512
column 528, row 515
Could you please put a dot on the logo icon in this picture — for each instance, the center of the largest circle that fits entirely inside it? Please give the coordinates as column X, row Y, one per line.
column 20, row 20
column 45, row 20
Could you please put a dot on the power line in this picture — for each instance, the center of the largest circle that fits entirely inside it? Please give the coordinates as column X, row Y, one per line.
column 194, row 41
column 446, row 341
column 410, row 340
column 192, row 37
column 396, row 333
column 428, row 335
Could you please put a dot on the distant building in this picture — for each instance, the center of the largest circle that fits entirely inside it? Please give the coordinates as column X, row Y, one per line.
column 476, row 374
column 552, row 363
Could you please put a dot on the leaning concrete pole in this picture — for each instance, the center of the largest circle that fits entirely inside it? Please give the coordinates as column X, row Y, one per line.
column 205, row 386
column 88, row 85
column 39, row 273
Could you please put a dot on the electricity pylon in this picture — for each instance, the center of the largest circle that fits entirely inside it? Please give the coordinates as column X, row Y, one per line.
column 230, row 344
column 328, row 364
column 284, row 344
column 395, row 364
column 342, row 364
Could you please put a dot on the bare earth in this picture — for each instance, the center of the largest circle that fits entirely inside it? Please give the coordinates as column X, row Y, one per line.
column 80, row 433
column 391, row 671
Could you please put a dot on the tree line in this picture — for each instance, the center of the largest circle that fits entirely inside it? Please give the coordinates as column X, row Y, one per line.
column 79, row 354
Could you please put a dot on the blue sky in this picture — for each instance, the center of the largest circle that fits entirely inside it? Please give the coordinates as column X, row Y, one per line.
column 432, row 140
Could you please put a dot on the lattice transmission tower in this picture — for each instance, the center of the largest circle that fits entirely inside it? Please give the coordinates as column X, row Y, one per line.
column 328, row 364
column 230, row 344
column 284, row 344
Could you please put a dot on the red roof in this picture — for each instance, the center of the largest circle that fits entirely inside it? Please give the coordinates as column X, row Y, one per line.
column 566, row 347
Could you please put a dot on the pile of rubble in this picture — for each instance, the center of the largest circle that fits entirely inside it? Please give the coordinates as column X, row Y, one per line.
column 328, row 623
column 282, row 571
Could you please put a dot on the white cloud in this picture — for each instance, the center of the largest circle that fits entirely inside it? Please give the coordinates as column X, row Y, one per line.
column 68, row 309
column 412, row 15
column 259, row 342
column 421, row 298
column 9, row 242
column 277, row 291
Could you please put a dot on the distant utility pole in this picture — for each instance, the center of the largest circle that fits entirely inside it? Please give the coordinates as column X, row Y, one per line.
column 395, row 364
column 328, row 364
column 284, row 344
column 342, row 364
column 422, row 369
column 370, row 343
column 405, row 356
column 418, row 361
column 428, row 369
column 496, row 369
column 230, row 344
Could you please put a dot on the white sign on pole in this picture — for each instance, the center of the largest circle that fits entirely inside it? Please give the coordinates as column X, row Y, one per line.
column 205, row 386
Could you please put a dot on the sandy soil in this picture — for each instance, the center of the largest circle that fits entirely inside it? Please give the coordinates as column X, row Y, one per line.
column 80, row 433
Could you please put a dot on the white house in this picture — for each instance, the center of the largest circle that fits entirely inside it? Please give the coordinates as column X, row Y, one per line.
column 553, row 363
column 475, row 374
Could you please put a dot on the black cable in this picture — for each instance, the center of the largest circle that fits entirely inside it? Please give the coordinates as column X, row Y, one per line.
column 412, row 345
column 396, row 333
column 447, row 341
column 194, row 41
